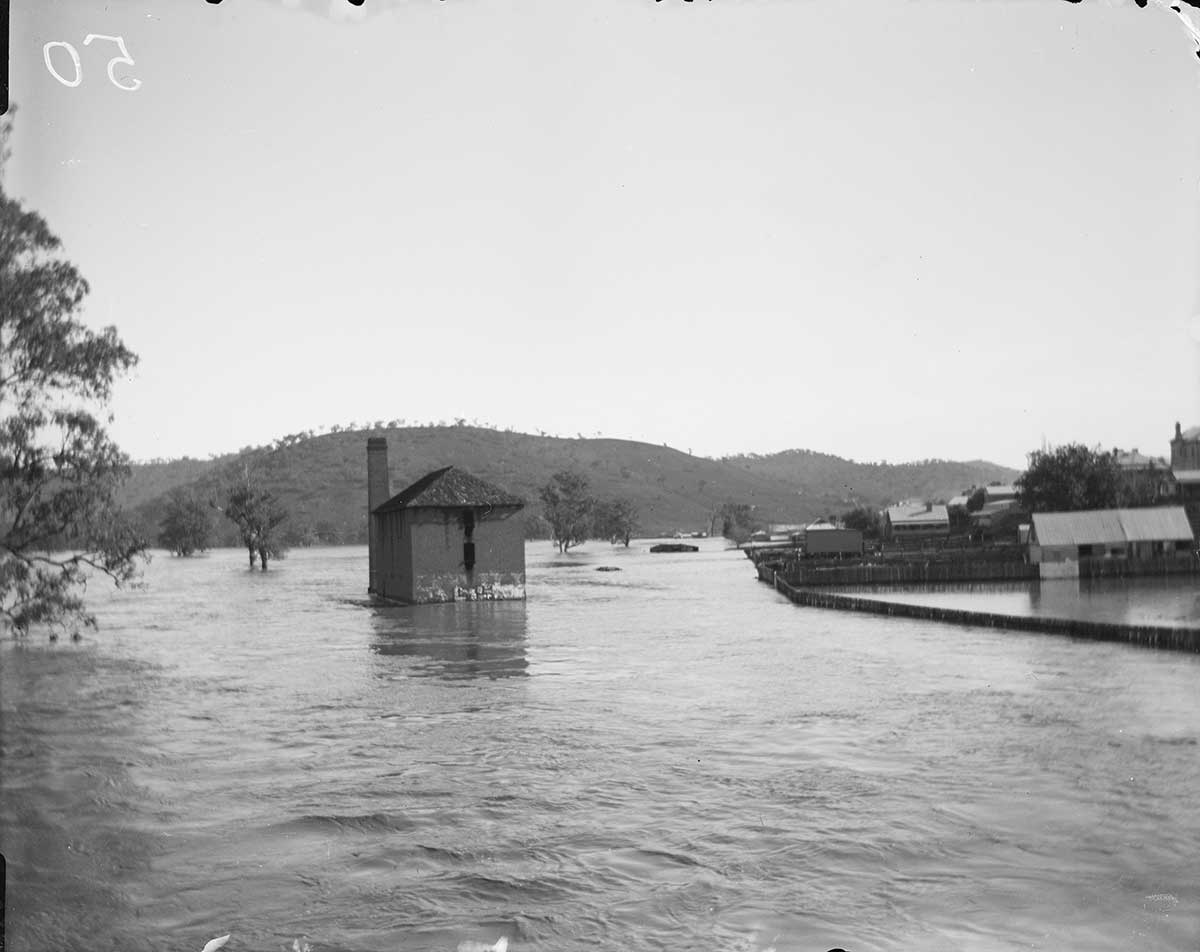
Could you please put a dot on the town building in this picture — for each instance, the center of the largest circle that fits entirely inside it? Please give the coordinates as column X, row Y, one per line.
column 1146, row 478
column 915, row 520
column 448, row 536
column 1135, row 534
column 999, row 493
column 1185, row 463
column 822, row 539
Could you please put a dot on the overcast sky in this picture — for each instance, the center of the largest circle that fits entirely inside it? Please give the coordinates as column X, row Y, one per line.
column 884, row 229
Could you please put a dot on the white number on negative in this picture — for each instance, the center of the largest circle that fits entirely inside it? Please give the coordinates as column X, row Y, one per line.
column 112, row 63
column 74, row 59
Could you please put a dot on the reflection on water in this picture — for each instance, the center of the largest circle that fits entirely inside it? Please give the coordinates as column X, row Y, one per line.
column 1172, row 601
column 455, row 640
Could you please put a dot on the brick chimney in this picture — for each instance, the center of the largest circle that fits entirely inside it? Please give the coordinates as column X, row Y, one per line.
column 1178, row 431
column 379, row 491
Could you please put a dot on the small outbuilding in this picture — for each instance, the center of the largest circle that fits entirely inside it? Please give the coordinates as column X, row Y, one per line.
column 825, row 540
column 447, row 537
column 1160, row 532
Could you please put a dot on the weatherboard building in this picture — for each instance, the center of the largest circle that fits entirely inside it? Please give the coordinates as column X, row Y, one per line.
column 447, row 537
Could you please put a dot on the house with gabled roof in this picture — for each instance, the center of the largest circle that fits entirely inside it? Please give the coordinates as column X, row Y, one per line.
column 915, row 520
column 447, row 537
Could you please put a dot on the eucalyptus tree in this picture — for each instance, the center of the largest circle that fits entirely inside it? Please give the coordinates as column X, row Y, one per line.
column 59, row 469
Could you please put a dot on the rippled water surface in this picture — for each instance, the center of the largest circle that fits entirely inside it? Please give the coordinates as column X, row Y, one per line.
column 667, row 757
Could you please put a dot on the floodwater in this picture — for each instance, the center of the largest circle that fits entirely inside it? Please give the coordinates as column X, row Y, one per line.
column 1172, row 601
column 671, row 756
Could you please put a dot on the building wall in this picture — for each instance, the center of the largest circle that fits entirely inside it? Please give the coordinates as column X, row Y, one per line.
column 1185, row 454
column 916, row 530
column 833, row 542
column 422, row 556
column 1110, row 550
column 393, row 571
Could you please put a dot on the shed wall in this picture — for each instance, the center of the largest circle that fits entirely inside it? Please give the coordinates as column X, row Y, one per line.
column 393, row 572
column 423, row 556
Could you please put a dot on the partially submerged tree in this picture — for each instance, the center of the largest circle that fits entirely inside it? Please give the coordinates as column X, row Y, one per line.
column 615, row 520
column 567, row 508
column 258, row 516
column 1069, row 478
column 59, row 471
column 187, row 527
column 737, row 521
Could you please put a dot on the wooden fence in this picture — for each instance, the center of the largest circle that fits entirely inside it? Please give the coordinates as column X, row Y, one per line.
column 904, row 573
column 1149, row 636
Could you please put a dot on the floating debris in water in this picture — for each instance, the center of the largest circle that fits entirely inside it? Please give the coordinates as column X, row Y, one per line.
column 215, row 944
column 607, row 568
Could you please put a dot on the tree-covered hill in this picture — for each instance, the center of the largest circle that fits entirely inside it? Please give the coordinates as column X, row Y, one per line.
column 876, row 485
column 321, row 480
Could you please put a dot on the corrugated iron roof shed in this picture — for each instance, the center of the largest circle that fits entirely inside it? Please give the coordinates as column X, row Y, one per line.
column 957, row 501
column 1186, row 476
column 1111, row 526
column 1160, row 524
column 999, row 492
column 451, row 488
column 918, row 514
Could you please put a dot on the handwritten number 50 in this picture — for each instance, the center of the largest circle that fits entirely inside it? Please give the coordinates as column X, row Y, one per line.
column 112, row 63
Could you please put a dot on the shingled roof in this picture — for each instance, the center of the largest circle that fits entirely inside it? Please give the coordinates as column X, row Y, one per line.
column 451, row 488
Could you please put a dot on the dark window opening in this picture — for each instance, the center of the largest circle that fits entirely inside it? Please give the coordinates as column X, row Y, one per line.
column 469, row 555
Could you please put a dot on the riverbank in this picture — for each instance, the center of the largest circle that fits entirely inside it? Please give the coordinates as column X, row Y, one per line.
column 1162, row 637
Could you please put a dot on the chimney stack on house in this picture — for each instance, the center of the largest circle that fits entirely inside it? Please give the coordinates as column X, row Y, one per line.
column 1178, row 431
column 379, row 491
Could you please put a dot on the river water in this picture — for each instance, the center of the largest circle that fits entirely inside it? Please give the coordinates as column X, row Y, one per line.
column 671, row 756
column 1170, row 601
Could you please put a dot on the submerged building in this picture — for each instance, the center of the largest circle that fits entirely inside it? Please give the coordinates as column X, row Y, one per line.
column 1135, row 534
column 449, row 536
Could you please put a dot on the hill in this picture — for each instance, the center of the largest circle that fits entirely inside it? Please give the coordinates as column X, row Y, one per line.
column 836, row 480
column 322, row 479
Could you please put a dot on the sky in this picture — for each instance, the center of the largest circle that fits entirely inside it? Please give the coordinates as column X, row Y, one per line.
column 888, row 229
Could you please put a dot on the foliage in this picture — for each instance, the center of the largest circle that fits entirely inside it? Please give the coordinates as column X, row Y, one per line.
column 258, row 516
column 59, row 470
column 738, row 521
column 568, row 509
column 1069, row 478
column 976, row 499
column 187, row 526
column 863, row 518
column 536, row 527
column 615, row 520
